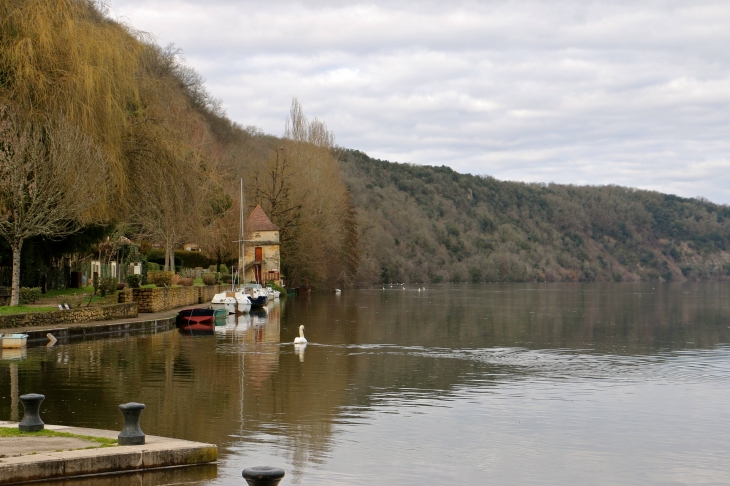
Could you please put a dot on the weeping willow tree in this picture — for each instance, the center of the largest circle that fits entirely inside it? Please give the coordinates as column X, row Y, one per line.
column 65, row 58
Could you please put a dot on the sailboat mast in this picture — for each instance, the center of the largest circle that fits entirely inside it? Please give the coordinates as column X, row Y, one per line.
column 241, row 249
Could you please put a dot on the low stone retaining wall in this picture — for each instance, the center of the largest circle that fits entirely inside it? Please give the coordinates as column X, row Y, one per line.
column 162, row 298
column 79, row 314
column 205, row 294
column 119, row 329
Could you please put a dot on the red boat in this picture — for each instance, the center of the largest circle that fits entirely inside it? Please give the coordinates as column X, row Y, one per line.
column 196, row 321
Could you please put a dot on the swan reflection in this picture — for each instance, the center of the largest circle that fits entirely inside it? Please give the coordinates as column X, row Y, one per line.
column 299, row 350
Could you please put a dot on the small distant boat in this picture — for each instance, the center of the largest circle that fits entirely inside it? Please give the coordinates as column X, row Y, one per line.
column 273, row 294
column 14, row 340
column 196, row 321
column 303, row 291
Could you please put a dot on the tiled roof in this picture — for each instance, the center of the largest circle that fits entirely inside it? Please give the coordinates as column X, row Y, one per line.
column 258, row 221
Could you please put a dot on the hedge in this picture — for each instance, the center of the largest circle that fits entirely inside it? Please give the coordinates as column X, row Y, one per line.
column 183, row 258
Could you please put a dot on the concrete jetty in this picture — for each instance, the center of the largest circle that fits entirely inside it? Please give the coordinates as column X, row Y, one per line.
column 40, row 458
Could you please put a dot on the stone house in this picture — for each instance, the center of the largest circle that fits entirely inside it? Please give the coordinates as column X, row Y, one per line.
column 261, row 249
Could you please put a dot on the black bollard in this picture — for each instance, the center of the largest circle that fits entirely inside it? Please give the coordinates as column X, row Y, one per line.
column 263, row 475
column 131, row 433
column 31, row 417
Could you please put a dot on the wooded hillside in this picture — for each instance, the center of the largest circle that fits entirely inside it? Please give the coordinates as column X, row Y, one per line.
column 432, row 224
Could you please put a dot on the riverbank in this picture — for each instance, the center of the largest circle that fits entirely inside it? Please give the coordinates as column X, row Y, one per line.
column 38, row 458
column 155, row 321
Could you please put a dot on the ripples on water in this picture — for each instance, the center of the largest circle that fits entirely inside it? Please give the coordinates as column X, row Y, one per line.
column 493, row 384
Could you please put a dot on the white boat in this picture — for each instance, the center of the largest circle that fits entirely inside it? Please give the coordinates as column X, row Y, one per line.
column 273, row 294
column 14, row 340
column 234, row 302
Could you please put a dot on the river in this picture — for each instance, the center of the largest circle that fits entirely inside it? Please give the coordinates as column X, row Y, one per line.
column 549, row 384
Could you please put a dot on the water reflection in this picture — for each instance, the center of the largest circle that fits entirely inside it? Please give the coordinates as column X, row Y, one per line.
column 551, row 384
column 299, row 349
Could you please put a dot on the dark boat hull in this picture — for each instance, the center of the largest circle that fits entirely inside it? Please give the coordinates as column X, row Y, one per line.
column 261, row 301
column 196, row 321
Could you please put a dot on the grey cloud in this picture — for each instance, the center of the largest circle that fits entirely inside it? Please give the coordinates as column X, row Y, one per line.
column 633, row 93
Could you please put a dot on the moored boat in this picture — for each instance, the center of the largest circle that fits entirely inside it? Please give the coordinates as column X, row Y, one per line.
column 219, row 316
column 258, row 295
column 14, row 340
column 233, row 302
column 196, row 321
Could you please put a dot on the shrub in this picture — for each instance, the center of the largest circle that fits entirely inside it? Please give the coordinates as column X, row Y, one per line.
column 209, row 279
column 121, row 286
column 175, row 279
column 107, row 284
column 29, row 295
column 134, row 280
column 183, row 258
column 186, row 282
column 160, row 278
column 226, row 278
column 188, row 273
column 153, row 267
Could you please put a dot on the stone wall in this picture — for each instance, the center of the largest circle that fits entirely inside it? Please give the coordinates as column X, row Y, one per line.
column 205, row 294
column 79, row 314
column 163, row 298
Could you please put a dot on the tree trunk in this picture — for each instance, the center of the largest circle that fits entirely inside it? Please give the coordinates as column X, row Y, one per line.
column 15, row 292
column 172, row 259
column 167, row 258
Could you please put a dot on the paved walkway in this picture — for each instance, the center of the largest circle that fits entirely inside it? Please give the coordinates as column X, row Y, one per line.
column 96, row 327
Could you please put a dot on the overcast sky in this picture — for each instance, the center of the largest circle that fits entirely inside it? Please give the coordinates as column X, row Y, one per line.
column 635, row 93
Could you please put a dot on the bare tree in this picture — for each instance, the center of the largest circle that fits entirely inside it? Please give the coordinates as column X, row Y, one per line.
column 274, row 190
column 51, row 176
column 219, row 237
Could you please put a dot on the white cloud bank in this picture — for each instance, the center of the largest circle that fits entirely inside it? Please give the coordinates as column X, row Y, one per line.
column 633, row 93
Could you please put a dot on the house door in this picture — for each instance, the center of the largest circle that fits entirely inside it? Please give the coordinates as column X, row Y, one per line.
column 257, row 273
column 259, row 254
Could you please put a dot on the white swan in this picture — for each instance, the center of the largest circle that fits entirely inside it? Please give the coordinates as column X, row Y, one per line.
column 301, row 339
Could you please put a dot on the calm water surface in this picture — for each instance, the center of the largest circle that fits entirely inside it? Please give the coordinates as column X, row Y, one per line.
column 564, row 384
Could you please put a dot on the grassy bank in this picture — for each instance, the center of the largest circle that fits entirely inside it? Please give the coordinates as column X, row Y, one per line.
column 24, row 309
column 13, row 432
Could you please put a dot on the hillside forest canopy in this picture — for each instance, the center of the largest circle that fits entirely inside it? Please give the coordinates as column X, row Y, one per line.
column 82, row 94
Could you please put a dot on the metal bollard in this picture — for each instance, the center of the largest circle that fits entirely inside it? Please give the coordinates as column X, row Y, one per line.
column 131, row 433
column 31, row 417
column 263, row 475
